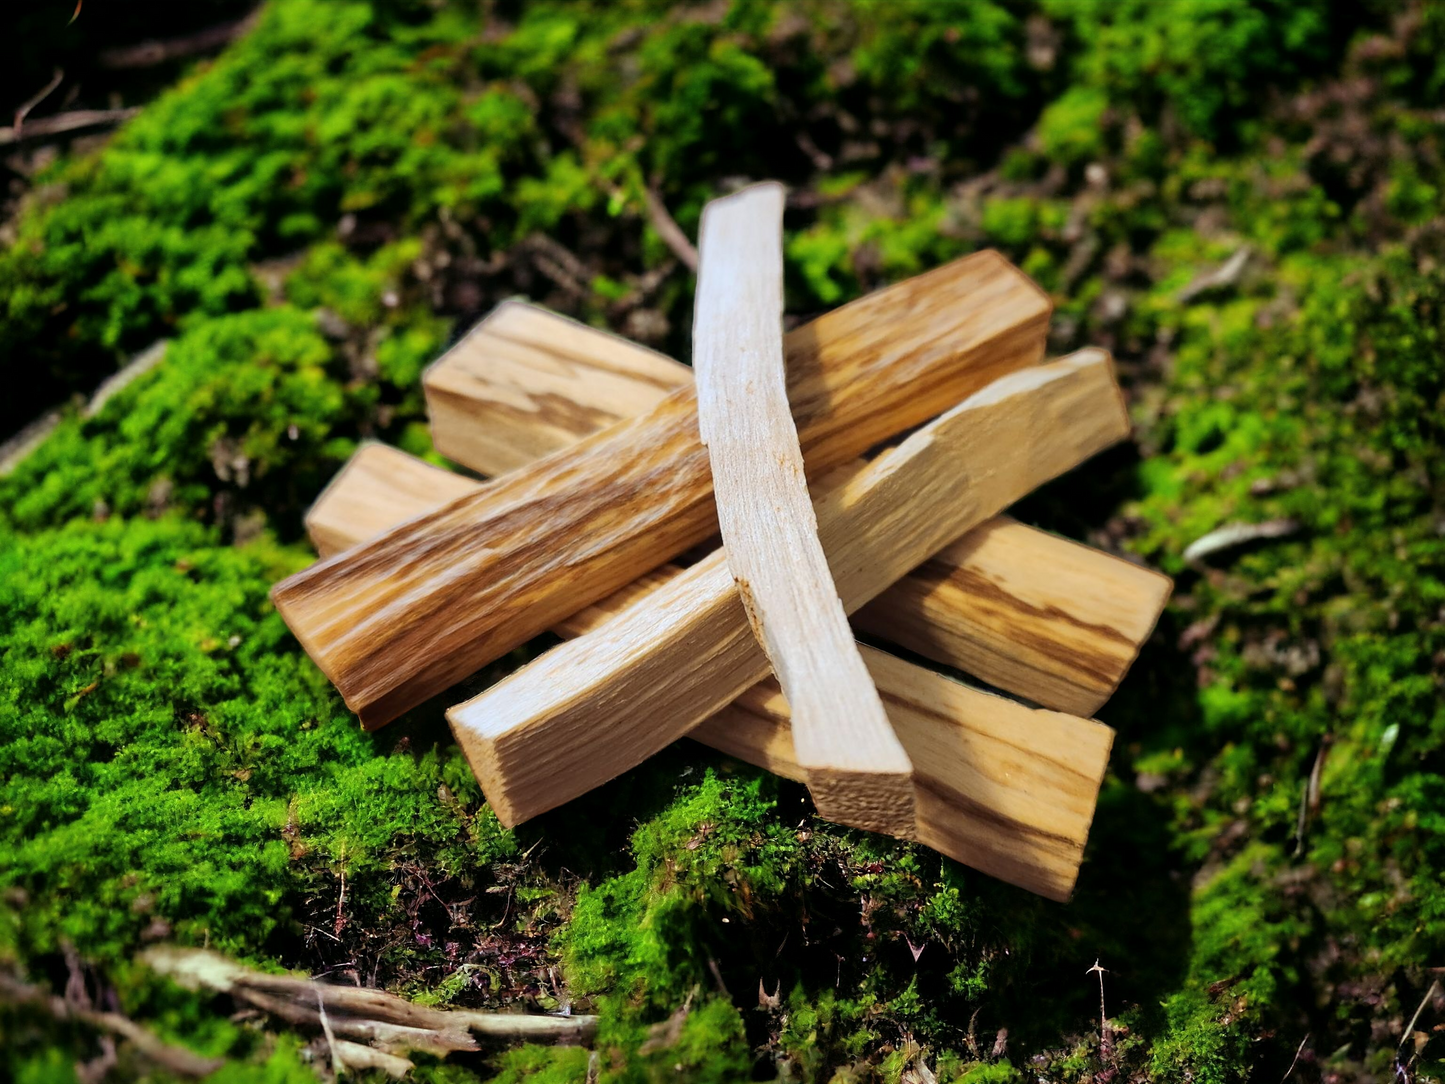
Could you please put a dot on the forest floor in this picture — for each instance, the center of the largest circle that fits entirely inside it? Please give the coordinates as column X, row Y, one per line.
column 1240, row 200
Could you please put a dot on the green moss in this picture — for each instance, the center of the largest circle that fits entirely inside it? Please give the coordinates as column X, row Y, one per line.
column 1202, row 61
column 168, row 756
column 1072, row 128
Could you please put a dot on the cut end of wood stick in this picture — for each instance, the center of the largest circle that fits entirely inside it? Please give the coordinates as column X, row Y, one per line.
column 872, row 800
column 487, row 765
column 533, row 750
column 729, row 217
column 378, row 488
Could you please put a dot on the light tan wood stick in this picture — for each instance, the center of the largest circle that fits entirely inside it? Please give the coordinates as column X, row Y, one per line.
column 378, row 488
column 592, row 708
column 542, row 382
column 1037, row 615
column 413, row 611
column 857, row 770
column 1006, row 789
column 1051, row 620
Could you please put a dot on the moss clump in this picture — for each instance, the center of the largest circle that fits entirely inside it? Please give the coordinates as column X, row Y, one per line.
column 168, row 756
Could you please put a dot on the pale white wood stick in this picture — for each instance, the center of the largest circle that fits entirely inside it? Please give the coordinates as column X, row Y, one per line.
column 592, row 708
column 858, row 772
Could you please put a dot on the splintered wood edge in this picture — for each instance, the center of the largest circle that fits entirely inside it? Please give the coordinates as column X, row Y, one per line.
column 858, row 771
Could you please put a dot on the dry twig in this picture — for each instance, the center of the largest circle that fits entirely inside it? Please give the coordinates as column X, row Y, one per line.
column 357, row 1056
column 389, row 1023
column 65, row 122
column 668, row 229
column 147, row 54
column 1236, row 534
column 1103, row 1016
column 36, row 99
column 176, row 1059
column 1298, row 1050
column 1226, row 274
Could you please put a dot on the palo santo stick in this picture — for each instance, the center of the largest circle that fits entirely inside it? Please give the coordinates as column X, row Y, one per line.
column 537, row 393
column 413, row 611
column 857, row 770
column 378, row 488
column 589, row 709
column 1026, row 611
column 1006, row 789
column 1051, row 620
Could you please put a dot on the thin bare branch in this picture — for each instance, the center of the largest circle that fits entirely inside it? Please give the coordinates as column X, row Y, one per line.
column 148, row 54
column 1237, row 534
column 174, row 1058
column 65, row 122
column 668, row 229
column 35, row 99
column 356, row 1056
column 1410, row 1027
column 1298, row 1050
column 387, row 1022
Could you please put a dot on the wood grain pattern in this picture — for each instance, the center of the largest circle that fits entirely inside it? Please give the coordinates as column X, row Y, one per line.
column 411, row 612
column 589, row 709
column 1051, row 620
column 1023, row 610
column 1004, row 788
column 857, row 770
column 537, row 391
column 378, row 488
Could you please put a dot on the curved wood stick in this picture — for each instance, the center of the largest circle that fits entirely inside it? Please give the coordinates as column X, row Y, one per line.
column 858, row 772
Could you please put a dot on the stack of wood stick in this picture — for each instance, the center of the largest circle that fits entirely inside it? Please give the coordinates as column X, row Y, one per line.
column 612, row 466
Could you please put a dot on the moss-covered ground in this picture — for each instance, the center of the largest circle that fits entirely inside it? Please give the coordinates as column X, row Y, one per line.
column 311, row 216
